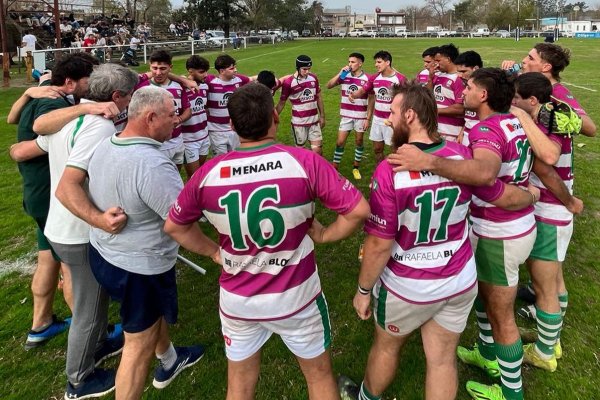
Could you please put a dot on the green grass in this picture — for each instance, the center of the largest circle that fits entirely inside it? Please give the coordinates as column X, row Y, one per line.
column 39, row 374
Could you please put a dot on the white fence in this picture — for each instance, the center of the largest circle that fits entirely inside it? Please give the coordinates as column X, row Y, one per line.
column 145, row 49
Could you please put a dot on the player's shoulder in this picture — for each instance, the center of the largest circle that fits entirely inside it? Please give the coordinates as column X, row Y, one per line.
column 400, row 76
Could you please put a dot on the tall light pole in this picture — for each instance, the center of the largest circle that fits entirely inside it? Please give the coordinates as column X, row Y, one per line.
column 518, row 29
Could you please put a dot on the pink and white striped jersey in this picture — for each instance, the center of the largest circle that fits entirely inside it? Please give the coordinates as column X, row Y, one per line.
column 448, row 90
column 261, row 202
column 549, row 209
column 423, row 77
column 219, row 92
column 382, row 86
column 358, row 109
column 503, row 135
column 302, row 94
column 426, row 216
column 195, row 128
column 180, row 99
column 471, row 119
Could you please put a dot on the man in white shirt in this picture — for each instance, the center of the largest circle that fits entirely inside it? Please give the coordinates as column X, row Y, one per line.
column 29, row 40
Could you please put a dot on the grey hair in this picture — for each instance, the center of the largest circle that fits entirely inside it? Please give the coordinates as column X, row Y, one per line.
column 148, row 97
column 109, row 78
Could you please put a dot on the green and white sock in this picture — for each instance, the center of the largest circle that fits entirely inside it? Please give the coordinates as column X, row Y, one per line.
column 510, row 359
column 358, row 153
column 563, row 300
column 485, row 340
column 365, row 395
column 338, row 154
column 548, row 326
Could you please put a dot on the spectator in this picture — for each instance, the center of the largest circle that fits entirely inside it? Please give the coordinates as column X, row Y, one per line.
column 29, row 40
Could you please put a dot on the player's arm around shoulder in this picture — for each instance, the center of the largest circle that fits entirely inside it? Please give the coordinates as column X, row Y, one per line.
column 26, row 150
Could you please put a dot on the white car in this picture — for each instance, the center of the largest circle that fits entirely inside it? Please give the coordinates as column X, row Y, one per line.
column 295, row 34
column 357, row 32
column 443, row 33
column 370, row 33
column 502, row 33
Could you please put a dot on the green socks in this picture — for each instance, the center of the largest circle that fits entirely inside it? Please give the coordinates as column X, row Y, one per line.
column 485, row 341
column 365, row 395
column 510, row 358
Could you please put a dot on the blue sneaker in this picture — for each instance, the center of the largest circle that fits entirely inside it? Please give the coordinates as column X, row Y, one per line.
column 110, row 347
column 36, row 339
column 113, row 331
column 97, row 384
column 186, row 357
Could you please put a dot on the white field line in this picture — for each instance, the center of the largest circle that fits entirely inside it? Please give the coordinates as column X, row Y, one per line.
column 272, row 52
column 579, row 87
column 24, row 265
column 325, row 60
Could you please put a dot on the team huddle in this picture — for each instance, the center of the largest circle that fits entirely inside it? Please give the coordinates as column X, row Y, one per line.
column 478, row 181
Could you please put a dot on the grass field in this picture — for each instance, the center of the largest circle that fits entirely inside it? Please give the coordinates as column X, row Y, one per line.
column 39, row 374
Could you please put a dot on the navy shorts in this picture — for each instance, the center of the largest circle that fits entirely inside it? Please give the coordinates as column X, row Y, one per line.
column 144, row 298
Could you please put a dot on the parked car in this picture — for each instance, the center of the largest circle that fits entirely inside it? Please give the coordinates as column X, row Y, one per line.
column 342, row 34
column 326, row 33
column 567, row 33
column 370, row 33
column 502, row 33
column 356, row 32
column 402, row 33
column 444, row 33
column 294, row 33
column 385, row 33
column 215, row 38
column 481, row 32
column 306, row 33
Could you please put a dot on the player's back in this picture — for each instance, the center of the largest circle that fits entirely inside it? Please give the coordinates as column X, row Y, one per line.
column 426, row 215
column 503, row 135
column 261, row 201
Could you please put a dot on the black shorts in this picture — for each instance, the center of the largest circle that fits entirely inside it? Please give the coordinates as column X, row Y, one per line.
column 144, row 298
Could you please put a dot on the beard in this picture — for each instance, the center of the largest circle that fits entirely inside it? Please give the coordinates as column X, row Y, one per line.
column 400, row 135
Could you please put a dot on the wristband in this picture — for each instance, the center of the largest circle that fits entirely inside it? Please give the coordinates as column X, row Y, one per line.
column 363, row 291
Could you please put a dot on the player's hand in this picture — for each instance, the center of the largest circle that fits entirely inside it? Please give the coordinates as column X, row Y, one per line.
column 351, row 97
column 410, row 158
column 507, row 64
column 217, row 257
column 189, row 84
column 108, row 110
column 535, row 192
column 322, row 122
column 362, row 305
column 113, row 220
column 346, row 68
column 366, row 124
column 44, row 92
column 316, row 231
column 460, row 137
column 575, row 206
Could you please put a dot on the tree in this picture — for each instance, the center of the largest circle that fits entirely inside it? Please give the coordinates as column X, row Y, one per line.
column 314, row 16
column 465, row 13
column 289, row 14
column 417, row 17
column 439, row 8
column 211, row 14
